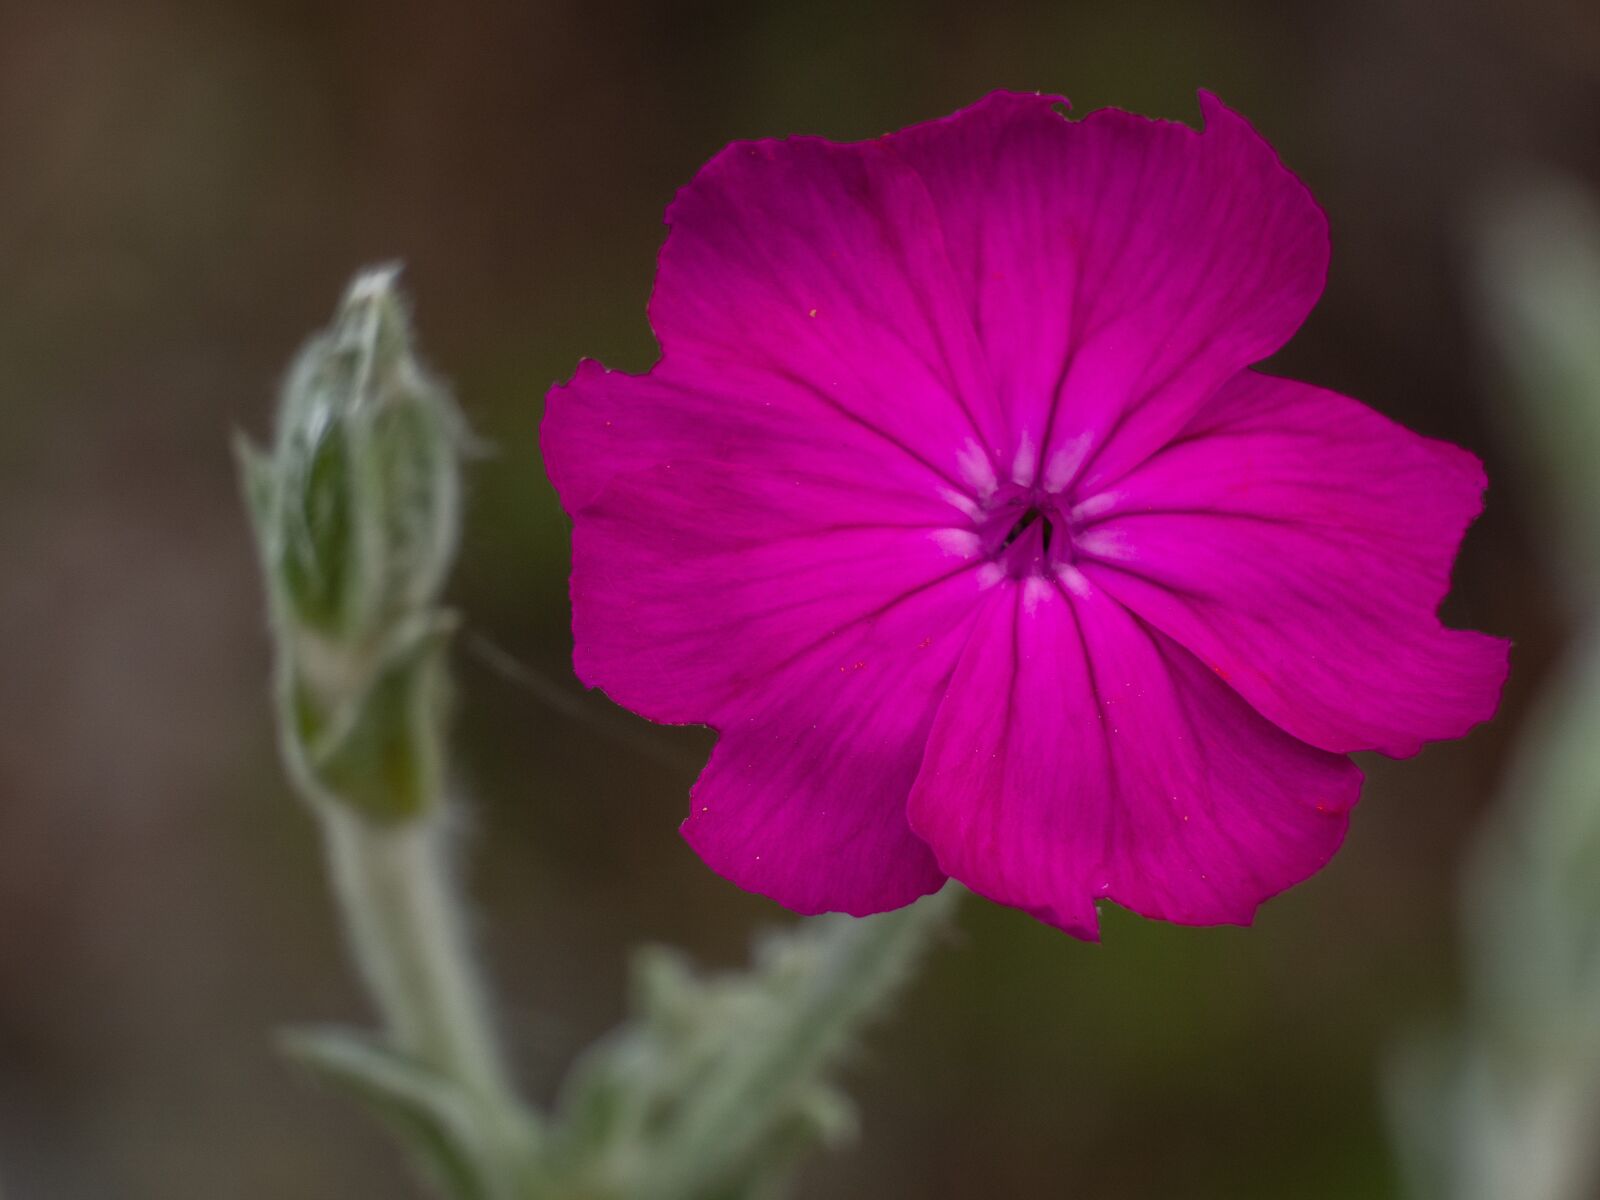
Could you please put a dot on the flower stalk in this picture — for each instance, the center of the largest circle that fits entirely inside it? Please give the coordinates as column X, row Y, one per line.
column 357, row 513
column 407, row 931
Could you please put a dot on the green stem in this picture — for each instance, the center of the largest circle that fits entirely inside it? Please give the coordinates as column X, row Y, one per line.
column 408, row 934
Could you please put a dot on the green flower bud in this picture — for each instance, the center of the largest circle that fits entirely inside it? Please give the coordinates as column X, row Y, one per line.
column 357, row 514
column 369, row 490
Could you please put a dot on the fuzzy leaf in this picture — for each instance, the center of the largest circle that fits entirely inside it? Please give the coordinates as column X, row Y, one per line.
column 426, row 1112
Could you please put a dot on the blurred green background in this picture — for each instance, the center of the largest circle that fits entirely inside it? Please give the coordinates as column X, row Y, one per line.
column 185, row 189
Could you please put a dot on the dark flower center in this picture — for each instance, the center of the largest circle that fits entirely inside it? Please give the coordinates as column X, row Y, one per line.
column 1026, row 531
column 1028, row 518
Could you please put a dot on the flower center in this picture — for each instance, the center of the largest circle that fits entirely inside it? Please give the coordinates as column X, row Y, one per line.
column 1026, row 531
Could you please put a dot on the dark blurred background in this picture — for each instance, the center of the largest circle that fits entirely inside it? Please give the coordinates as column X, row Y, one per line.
column 184, row 189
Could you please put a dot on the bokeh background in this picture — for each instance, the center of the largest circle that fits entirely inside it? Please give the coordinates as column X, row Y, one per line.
column 184, row 188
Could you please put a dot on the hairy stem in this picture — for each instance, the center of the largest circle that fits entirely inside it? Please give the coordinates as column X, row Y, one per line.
column 408, row 934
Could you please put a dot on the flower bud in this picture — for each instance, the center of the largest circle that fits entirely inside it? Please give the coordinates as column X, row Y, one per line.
column 366, row 462
column 357, row 512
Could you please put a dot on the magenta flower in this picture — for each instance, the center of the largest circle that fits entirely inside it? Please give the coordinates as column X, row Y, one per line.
column 953, row 504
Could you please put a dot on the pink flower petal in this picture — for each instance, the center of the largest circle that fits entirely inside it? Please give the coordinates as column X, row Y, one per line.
column 717, row 538
column 1300, row 544
column 744, row 573
column 729, row 419
column 804, row 799
column 1118, row 269
column 818, row 269
column 682, row 624
column 1080, row 755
